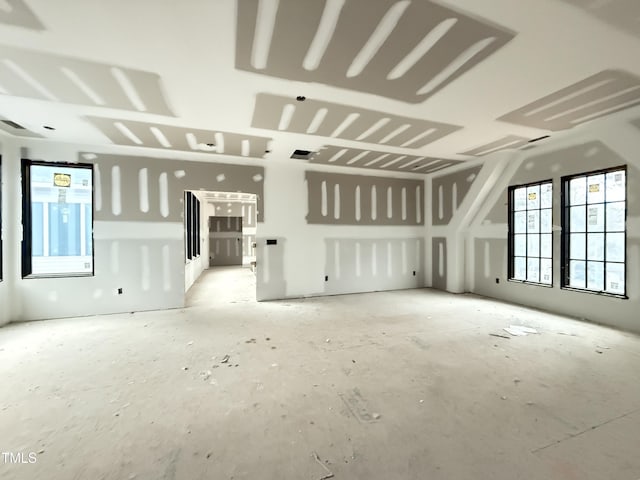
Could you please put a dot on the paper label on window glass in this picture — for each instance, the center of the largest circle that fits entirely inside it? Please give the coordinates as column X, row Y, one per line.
column 62, row 180
column 614, row 285
column 533, row 196
column 594, row 188
column 531, row 220
column 593, row 216
column 618, row 178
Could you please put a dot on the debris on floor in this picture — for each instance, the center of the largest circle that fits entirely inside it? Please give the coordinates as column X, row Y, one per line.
column 205, row 374
column 225, row 359
column 253, row 340
column 376, row 416
column 501, row 336
column 519, row 330
column 190, row 343
column 185, row 368
column 329, row 473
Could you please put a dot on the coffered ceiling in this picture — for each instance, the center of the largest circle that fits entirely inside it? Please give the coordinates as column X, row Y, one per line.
column 409, row 86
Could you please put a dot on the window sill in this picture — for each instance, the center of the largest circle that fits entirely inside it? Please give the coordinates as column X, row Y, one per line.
column 593, row 292
column 524, row 282
column 60, row 275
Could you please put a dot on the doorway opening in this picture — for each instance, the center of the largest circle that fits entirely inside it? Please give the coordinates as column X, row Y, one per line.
column 225, row 270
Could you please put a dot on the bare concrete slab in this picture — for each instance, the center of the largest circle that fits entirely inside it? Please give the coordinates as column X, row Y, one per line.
column 406, row 384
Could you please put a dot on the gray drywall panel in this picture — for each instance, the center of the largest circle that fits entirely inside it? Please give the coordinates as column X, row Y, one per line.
column 67, row 80
column 296, row 23
column 439, row 263
column 601, row 94
column 623, row 15
column 507, row 142
column 369, row 125
column 445, row 188
column 325, row 188
column 18, row 13
column 129, row 188
column 169, row 137
column 366, row 265
column 225, row 241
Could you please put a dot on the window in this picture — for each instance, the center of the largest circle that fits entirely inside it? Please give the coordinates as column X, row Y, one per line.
column 593, row 231
column 530, row 233
column 192, row 225
column 57, row 219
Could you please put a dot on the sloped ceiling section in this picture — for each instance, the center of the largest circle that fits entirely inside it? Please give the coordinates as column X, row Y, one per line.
column 504, row 143
column 621, row 14
column 16, row 12
column 602, row 94
column 371, row 159
column 25, row 73
column 312, row 117
column 12, row 128
column 156, row 135
column 400, row 49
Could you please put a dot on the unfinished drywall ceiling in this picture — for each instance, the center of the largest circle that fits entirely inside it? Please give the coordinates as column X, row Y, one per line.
column 400, row 49
column 13, row 128
column 373, row 159
column 621, row 14
column 155, row 135
column 18, row 13
column 326, row 119
column 599, row 95
column 504, row 143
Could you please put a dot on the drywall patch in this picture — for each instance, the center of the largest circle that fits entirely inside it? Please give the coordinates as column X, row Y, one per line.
column 439, row 263
column 602, row 94
column 27, row 73
column 121, row 186
column 141, row 134
column 445, row 188
column 378, row 160
column 401, row 50
column 18, row 13
column 328, row 119
column 504, row 143
column 360, row 202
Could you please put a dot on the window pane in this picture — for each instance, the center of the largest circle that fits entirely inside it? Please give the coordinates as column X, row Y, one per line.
column 520, row 268
column 533, row 273
column 595, row 192
column 577, row 274
column 61, row 206
column 615, row 247
column 595, row 218
column 545, row 271
column 595, row 246
column 520, row 198
column 533, row 197
column 520, row 245
column 533, row 221
column 577, row 246
column 616, row 186
column 520, row 222
column 595, row 276
column 546, row 247
column 533, row 245
column 615, row 217
column 546, row 225
column 577, row 221
column 578, row 190
column 615, row 278
column 546, row 195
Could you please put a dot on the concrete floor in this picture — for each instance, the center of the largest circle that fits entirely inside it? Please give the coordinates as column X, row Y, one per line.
column 394, row 385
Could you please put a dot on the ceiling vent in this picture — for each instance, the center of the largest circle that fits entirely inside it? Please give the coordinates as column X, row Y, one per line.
column 302, row 154
column 13, row 124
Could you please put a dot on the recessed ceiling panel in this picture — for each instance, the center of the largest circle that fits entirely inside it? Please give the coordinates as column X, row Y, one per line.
column 327, row 119
column 25, row 73
column 597, row 96
column 16, row 12
column 504, row 143
column 621, row 14
column 373, row 159
column 156, row 135
column 401, row 49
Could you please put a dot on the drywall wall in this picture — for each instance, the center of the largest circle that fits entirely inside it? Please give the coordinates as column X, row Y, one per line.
column 306, row 241
column 138, row 230
column 5, row 297
column 226, row 242
column 246, row 210
column 602, row 144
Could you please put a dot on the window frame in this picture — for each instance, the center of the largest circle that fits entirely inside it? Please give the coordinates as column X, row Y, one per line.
column 511, row 234
column 27, row 230
column 565, row 240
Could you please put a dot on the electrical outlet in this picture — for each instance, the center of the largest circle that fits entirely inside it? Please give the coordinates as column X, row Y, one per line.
column 414, row 273
column 497, row 280
column 326, row 278
column 120, row 291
